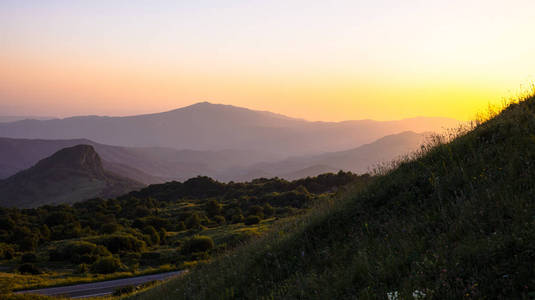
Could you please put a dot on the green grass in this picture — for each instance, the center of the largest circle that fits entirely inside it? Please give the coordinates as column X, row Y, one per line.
column 456, row 221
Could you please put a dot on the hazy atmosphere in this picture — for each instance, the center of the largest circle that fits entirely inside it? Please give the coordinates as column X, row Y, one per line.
column 164, row 150
column 317, row 60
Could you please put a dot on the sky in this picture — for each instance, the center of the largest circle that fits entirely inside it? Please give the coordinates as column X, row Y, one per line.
column 317, row 60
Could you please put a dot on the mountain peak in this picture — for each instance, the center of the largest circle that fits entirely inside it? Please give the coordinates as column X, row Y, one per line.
column 69, row 175
column 82, row 158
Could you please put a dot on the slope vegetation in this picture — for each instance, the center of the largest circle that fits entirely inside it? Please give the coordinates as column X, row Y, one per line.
column 69, row 175
column 456, row 222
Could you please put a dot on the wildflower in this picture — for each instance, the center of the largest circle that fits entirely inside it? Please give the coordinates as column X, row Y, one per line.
column 418, row 294
column 392, row 295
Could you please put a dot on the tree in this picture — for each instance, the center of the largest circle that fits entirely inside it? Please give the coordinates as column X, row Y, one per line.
column 268, row 210
column 250, row 220
column 198, row 243
column 193, row 221
column 213, row 208
column 107, row 265
column 154, row 236
column 256, row 210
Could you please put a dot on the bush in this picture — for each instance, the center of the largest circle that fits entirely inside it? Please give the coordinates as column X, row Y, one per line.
column 120, row 242
column 193, row 221
column 28, row 268
column 256, row 210
column 109, row 228
column 163, row 236
column 28, row 257
column 252, row 220
column 150, row 257
column 197, row 243
column 107, row 265
column 220, row 220
column 82, row 269
column 238, row 218
column 181, row 226
column 154, row 236
column 268, row 210
column 129, row 289
column 79, row 252
column 213, row 208
column 6, row 251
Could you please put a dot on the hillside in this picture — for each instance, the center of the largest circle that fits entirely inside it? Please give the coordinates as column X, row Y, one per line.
column 159, row 228
column 69, row 175
column 214, row 127
column 454, row 223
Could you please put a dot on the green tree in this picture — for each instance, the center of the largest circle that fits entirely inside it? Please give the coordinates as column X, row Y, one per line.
column 213, row 208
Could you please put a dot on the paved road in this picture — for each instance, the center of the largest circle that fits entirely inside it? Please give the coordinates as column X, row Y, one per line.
column 101, row 288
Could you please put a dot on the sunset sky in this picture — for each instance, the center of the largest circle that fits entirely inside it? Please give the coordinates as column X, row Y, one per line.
column 317, row 60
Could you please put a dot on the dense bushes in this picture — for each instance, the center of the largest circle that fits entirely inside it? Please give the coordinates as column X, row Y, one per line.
column 6, row 251
column 28, row 257
column 28, row 268
column 81, row 252
column 250, row 220
column 87, row 231
column 197, row 243
column 107, row 265
column 119, row 242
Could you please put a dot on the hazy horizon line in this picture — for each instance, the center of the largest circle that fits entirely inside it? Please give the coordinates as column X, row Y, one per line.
column 132, row 114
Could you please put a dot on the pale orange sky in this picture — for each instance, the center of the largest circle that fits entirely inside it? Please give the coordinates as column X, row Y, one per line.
column 319, row 60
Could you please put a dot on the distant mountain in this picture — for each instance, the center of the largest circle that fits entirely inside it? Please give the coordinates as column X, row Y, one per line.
column 309, row 172
column 147, row 165
column 69, row 175
column 358, row 160
column 214, row 127
column 4, row 119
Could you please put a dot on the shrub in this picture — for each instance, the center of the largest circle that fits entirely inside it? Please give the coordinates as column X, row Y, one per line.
column 219, row 220
column 82, row 269
column 28, row 243
column 193, row 221
column 256, row 210
column 268, row 210
column 181, row 226
column 151, row 231
column 107, row 265
column 6, row 251
column 237, row 218
column 252, row 220
column 213, row 208
column 28, row 268
column 28, row 257
column 120, row 242
column 129, row 289
column 79, row 252
column 198, row 243
column 109, row 228
column 163, row 236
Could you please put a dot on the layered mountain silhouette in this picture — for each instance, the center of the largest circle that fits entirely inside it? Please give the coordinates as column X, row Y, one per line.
column 358, row 160
column 155, row 165
column 214, row 127
column 148, row 164
column 69, row 175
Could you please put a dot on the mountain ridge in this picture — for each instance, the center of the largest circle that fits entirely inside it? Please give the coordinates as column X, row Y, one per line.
column 69, row 175
column 207, row 126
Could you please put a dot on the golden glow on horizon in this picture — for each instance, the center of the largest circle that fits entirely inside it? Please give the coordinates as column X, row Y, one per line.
column 336, row 70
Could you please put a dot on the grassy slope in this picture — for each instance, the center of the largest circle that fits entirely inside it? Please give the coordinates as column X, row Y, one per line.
column 457, row 222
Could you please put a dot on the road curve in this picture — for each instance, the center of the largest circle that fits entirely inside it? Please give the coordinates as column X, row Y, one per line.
column 100, row 288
